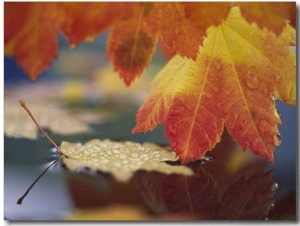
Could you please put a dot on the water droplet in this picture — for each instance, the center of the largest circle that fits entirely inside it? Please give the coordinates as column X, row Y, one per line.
column 218, row 65
column 172, row 132
column 263, row 125
column 218, row 105
column 277, row 139
column 122, row 156
column 271, row 206
column 173, row 145
column 252, row 80
column 208, row 96
column 235, row 116
column 226, row 111
column 274, row 187
column 216, row 89
column 230, row 125
column 179, row 91
column 243, row 123
column 205, row 159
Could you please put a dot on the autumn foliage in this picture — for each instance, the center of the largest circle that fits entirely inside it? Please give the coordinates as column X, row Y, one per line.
column 230, row 60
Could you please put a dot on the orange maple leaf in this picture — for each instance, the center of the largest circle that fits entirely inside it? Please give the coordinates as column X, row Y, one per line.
column 85, row 21
column 32, row 43
column 31, row 29
column 183, row 25
column 238, row 71
column 132, row 41
column 270, row 15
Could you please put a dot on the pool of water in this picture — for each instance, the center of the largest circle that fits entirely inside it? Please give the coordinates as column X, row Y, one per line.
column 231, row 185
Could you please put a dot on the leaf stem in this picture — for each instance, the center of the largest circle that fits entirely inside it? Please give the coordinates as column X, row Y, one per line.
column 20, row 200
column 23, row 105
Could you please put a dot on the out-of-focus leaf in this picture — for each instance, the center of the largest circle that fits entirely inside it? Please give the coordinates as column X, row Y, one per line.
column 269, row 15
column 121, row 159
column 86, row 20
column 132, row 42
column 30, row 35
column 51, row 113
column 17, row 123
column 30, row 29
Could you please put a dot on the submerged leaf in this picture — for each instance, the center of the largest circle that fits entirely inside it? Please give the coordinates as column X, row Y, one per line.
column 121, row 159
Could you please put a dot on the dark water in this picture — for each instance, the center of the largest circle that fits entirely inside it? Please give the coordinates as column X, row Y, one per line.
column 232, row 186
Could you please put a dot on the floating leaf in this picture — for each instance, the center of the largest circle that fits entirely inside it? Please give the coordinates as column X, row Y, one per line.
column 50, row 111
column 17, row 123
column 121, row 159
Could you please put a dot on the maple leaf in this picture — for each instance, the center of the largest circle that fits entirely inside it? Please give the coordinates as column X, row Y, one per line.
column 267, row 14
column 31, row 29
column 238, row 71
column 132, row 41
column 34, row 44
column 51, row 93
column 183, row 25
column 84, row 22
column 121, row 159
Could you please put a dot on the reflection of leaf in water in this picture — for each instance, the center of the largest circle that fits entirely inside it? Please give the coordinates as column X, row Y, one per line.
column 248, row 199
column 193, row 194
column 178, row 193
column 149, row 188
column 121, row 159
column 199, row 195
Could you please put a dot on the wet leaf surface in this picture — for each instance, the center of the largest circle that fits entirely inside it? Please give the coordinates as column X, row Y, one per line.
column 121, row 159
